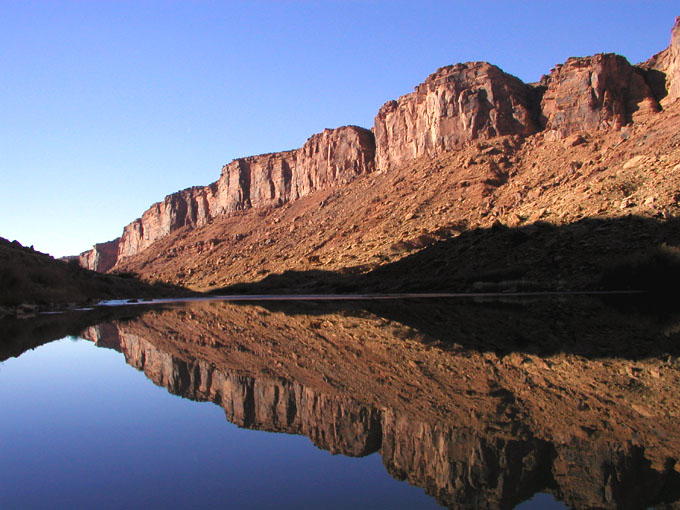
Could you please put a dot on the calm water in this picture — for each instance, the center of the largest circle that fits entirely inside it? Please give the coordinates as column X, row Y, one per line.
column 413, row 404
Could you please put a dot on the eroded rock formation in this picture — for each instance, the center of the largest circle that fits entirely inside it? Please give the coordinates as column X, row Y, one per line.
column 101, row 257
column 330, row 158
column 593, row 93
column 454, row 105
column 664, row 68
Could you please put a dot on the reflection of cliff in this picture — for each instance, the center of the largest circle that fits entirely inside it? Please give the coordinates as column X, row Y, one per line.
column 335, row 423
column 475, row 429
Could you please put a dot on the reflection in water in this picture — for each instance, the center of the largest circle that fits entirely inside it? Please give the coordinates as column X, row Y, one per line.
column 482, row 404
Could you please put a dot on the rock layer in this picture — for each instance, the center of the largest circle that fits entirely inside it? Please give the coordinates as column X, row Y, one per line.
column 454, row 105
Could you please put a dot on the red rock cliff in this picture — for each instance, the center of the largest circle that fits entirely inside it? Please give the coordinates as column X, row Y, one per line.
column 454, row 105
column 327, row 159
column 101, row 257
column 664, row 68
column 593, row 93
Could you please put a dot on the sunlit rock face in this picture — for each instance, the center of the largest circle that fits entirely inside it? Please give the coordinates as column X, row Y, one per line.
column 453, row 106
column 458, row 104
column 101, row 257
column 330, row 158
column 459, row 402
column 664, row 68
column 593, row 93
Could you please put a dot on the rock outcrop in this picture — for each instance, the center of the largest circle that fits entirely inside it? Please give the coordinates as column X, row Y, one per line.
column 101, row 257
column 593, row 93
column 454, row 105
column 189, row 207
column 330, row 158
column 664, row 68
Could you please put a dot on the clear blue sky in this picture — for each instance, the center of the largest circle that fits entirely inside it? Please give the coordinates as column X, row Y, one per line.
column 108, row 106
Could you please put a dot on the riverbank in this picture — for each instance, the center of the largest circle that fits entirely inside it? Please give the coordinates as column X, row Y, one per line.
column 33, row 282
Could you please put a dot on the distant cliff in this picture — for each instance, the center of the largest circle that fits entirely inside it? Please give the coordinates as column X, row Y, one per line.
column 454, row 106
column 329, row 158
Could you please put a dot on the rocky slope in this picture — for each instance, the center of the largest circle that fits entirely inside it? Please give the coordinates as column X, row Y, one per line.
column 31, row 281
column 472, row 147
column 482, row 405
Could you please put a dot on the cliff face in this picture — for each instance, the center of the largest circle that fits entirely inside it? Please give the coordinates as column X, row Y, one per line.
column 454, row 105
column 664, row 68
column 593, row 93
column 101, row 257
column 187, row 207
column 327, row 159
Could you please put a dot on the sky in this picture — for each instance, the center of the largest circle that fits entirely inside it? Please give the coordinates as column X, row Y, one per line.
column 108, row 106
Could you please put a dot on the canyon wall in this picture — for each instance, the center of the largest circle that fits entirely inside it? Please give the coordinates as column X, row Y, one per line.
column 101, row 257
column 664, row 68
column 593, row 93
column 327, row 159
column 455, row 105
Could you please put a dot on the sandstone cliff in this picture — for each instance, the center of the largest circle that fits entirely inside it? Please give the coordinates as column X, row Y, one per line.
column 482, row 134
column 327, row 159
column 102, row 256
column 665, row 68
column 593, row 93
column 454, row 105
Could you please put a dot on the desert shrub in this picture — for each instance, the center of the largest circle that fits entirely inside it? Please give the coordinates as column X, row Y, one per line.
column 422, row 240
column 401, row 247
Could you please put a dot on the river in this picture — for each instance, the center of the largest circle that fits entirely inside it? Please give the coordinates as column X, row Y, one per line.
column 460, row 402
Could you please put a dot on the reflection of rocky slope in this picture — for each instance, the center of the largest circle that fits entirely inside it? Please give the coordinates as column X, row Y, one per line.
column 334, row 422
column 476, row 429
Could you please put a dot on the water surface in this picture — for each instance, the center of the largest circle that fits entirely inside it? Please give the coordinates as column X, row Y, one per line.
column 544, row 403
